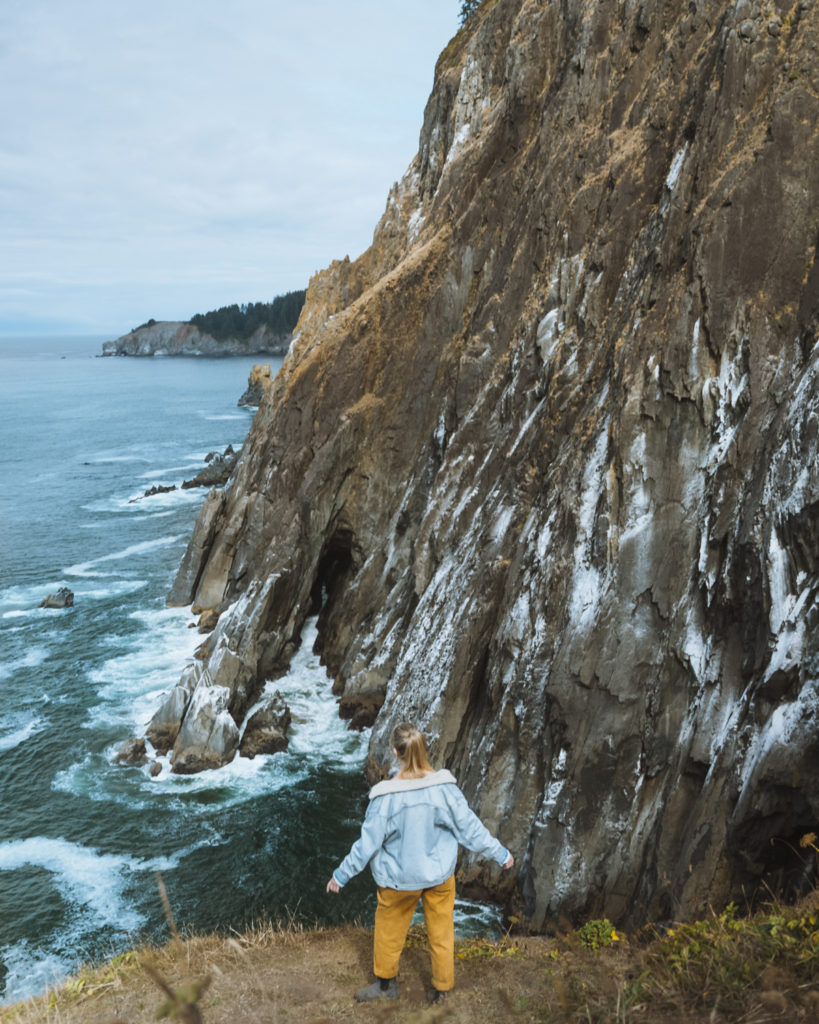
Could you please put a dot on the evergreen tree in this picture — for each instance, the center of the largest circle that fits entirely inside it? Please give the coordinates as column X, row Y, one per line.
column 240, row 321
column 468, row 8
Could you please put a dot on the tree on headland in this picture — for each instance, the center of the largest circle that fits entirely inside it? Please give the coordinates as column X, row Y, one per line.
column 468, row 8
column 241, row 321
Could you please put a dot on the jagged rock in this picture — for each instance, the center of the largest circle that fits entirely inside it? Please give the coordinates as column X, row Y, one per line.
column 173, row 338
column 165, row 725
column 217, row 470
column 156, row 489
column 266, row 729
column 545, row 458
column 190, row 571
column 155, row 769
column 209, row 736
column 64, row 598
column 208, row 619
column 132, row 752
column 258, row 383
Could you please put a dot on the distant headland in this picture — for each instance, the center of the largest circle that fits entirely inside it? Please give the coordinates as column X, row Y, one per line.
column 255, row 328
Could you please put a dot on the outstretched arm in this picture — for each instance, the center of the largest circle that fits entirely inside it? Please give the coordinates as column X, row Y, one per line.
column 362, row 851
column 472, row 833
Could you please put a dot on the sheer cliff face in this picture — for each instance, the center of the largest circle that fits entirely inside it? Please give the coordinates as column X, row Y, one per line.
column 546, row 455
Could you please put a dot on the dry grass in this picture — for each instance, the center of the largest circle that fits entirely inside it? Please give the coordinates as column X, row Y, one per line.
column 725, row 968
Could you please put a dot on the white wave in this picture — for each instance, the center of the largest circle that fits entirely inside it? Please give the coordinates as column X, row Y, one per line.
column 223, row 416
column 10, row 740
column 85, row 568
column 317, row 732
column 114, row 589
column 93, row 884
column 85, row 879
column 34, row 657
column 30, row 971
column 27, row 596
column 130, row 686
column 166, row 500
column 171, row 469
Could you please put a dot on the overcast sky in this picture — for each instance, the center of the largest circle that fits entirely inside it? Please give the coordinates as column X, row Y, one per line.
column 160, row 158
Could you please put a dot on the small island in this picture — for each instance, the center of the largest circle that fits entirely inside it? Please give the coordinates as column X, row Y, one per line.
column 254, row 328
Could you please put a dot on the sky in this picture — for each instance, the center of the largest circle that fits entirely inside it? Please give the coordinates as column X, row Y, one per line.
column 160, row 158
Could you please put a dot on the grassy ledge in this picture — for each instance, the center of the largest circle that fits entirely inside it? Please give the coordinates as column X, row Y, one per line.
column 726, row 967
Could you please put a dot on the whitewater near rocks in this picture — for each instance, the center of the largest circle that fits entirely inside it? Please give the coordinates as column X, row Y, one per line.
column 544, row 459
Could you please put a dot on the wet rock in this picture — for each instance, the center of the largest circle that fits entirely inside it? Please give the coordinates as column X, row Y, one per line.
column 208, row 737
column 64, row 598
column 208, row 619
column 167, row 721
column 156, row 489
column 155, row 769
column 266, row 729
column 217, row 470
column 132, row 752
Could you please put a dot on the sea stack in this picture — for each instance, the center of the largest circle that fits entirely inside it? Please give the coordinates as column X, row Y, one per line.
column 545, row 458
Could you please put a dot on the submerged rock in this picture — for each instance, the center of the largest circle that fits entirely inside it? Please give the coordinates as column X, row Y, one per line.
column 545, row 458
column 132, row 751
column 266, row 729
column 64, row 598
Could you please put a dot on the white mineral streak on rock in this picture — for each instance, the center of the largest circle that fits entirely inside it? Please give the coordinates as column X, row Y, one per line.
column 586, row 580
column 676, row 166
column 574, row 534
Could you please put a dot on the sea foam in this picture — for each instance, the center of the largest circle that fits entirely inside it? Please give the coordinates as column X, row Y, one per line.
column 11, row 739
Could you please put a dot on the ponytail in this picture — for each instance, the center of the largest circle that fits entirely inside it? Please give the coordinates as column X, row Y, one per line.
column 412, row 750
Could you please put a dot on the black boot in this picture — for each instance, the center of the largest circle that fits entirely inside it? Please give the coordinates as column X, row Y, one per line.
column 381, row 988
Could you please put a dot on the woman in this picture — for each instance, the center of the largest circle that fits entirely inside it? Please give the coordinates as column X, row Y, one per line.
column 410, row 836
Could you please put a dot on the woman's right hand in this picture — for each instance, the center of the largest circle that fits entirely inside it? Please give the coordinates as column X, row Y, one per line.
column 333, row 886
column 509, row 862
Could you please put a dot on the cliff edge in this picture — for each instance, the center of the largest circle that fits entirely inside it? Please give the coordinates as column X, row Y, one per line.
column 545, row 459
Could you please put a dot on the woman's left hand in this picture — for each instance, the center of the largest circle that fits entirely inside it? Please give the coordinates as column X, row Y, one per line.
column 333, row 886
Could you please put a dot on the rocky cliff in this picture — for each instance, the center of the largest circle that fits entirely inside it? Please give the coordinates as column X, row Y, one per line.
column 545, row 459
column 173, row 338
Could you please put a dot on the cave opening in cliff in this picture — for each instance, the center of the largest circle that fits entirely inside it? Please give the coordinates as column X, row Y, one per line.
column 335, row 568
column 782, row 866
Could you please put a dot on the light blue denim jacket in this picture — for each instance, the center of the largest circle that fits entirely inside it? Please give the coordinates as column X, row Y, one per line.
column 412, row 831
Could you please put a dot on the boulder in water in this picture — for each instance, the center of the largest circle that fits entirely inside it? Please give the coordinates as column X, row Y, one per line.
column 266, row 729
column 132, row 751
column 208, row 737
column 217, row 470
column 64, row 598
column 165, row 725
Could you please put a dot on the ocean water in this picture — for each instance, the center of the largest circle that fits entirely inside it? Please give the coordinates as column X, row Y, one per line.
column 81, row 838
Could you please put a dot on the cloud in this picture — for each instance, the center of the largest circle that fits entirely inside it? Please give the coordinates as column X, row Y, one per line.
column 159, row 158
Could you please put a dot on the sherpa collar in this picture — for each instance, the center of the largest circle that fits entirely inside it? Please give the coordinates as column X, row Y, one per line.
column 403, row 785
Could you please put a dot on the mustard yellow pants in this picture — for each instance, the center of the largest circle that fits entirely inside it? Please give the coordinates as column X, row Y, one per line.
column 392, row 921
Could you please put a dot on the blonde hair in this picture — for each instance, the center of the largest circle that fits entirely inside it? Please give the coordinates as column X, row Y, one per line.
column 412, row 750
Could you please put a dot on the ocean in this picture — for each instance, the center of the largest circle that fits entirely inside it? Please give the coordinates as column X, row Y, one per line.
column 82, row 839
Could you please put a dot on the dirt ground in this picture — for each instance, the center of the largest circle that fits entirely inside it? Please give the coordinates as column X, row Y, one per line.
column 278, row 977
